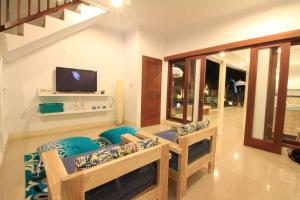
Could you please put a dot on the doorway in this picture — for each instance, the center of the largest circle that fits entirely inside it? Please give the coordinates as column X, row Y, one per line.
column 151, row 91
column 235, row 85
column 211, row 84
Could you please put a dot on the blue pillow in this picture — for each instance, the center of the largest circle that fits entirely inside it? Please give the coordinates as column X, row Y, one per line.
column 114, row 135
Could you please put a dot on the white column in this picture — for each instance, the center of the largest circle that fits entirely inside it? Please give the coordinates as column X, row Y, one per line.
column 222, row 82
column 1, row 110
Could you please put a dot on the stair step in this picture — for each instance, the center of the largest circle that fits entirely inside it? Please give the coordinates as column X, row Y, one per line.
column 58, row 15
column 53, row 24
column 74, row 8
column 40, row 22
column 32, row 32
column 18, row 30
column 72, row 17
column 90, row 11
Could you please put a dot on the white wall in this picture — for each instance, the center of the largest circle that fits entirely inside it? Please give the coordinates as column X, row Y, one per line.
column 2, row 133
column 153, row 45
column 138, row 43
column 130, row 71
column 93, row 48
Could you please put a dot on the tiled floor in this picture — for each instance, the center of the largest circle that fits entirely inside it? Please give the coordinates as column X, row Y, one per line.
column 241, row 172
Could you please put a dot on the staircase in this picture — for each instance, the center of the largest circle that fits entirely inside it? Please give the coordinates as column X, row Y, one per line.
column 19, row 33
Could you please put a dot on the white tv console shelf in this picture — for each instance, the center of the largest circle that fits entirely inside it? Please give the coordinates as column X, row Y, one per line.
column 60, row 94
column 74, row 112
column 86, row 104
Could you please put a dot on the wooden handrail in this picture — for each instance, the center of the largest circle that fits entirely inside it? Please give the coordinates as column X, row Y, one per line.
column 8, row 24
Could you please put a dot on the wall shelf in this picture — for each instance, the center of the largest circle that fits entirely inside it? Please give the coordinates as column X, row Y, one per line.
column 68, row 112
column 72, row 102
column 44, row 94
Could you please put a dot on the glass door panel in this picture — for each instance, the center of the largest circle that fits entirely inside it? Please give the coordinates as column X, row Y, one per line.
column 177, row 89
column 266, row 93
column 191, row 90
column 291, row 133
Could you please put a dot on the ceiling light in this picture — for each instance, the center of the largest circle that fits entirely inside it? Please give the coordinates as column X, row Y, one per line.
column 222, row 53
column 117, row 3
column 242, row 63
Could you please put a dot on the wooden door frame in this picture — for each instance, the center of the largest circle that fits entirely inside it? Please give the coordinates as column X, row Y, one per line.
column 159, row 62
column 281, row 98
column 186, row 88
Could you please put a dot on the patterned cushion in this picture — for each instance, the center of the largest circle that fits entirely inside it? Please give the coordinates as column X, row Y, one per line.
column 102, row 156
column 191, row 127
column 102, row 142
column 69, row 146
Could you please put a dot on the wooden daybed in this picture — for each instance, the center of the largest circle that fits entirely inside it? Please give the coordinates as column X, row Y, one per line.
column 188, row 164
column 64, row 186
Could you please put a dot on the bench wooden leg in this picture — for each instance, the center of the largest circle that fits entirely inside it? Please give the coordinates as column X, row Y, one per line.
column 211, row 164
column 163, row 172
column 211, row 167
column 181, row 187
column 182, row 176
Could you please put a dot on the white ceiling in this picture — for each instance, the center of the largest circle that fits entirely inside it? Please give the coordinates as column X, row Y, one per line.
column 175, row 16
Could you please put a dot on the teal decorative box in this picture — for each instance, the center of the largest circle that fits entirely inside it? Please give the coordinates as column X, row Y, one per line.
column 51, row 107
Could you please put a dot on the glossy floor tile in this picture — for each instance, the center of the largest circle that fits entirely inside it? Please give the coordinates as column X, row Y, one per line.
column 241, row 173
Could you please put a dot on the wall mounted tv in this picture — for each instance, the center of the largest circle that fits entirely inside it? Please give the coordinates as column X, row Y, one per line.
column 75, row 80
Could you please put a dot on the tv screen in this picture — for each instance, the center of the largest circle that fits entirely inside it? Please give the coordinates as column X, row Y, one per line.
column 75, row 80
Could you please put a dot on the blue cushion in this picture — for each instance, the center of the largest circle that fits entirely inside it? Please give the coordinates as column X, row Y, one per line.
column 114, row 135
column 170, row 135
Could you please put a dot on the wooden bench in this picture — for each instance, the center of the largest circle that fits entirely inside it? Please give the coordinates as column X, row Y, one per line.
column 185, row 169
column 64, row 186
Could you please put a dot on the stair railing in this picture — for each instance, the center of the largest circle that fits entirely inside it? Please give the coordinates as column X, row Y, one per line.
column 8, row 10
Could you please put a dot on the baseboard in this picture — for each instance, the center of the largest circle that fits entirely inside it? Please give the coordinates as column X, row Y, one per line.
column 42, row 132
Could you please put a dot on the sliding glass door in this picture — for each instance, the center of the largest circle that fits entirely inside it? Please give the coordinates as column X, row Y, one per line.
column 185, row 90
column 266, row 96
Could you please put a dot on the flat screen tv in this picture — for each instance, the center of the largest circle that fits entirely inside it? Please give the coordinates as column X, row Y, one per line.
column 75, row 80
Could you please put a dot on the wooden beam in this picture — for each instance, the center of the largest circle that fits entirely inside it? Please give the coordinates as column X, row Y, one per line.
column 290, row 35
